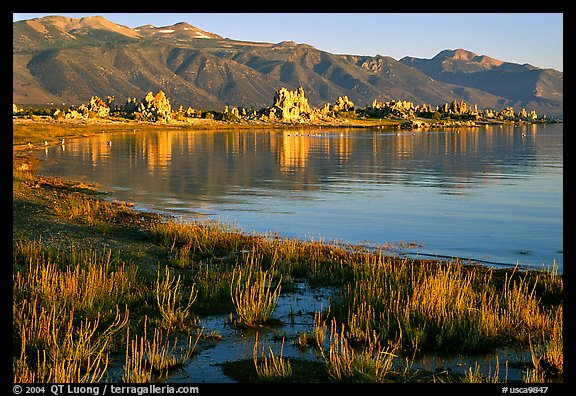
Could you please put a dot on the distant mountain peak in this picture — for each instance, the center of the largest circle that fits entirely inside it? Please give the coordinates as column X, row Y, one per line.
column 465, row 55
column 178, row 30
column 77, row 26
column 95, row 18
column 456, row 54
column 183, row 25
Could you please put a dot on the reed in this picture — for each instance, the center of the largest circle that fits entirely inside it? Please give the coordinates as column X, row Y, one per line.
column 318, row 336
column 83, row 280
column 317, row 261
column 270, row 367
column 371, row 363
column 547, row 355
column 550, row 280
column 154, row 357
column 447, row 307
column 479, row 375
column 429, row 306
column 212, row 280
column 197, row 240
column 302, row 340
column 254, row 295
column 96, row 212
column 135, row 368
column 320, row 329
column 173, row 306
column 66, row 313
column 65, row 352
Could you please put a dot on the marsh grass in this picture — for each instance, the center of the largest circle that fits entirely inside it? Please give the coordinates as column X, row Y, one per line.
column 189, row 241
column 154, row 357
column 478, row 375
column 135, row 368
column 320, row 329
column 270, row 367
column 172, row 304
column 254, row 295
column 67, row 319
column 81, row 280
column 445, row 307
column 64, row 351
column 547, row 354
column 369, row 363
column 38, row 132
column 317, row 337
column 66, row 311
column 105, row 215
column 212, row 280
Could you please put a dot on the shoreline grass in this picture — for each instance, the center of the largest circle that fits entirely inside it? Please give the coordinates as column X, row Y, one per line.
column 270, row 367
column 80, row 299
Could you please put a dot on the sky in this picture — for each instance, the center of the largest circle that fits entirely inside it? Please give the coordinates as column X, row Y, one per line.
column 533, row 38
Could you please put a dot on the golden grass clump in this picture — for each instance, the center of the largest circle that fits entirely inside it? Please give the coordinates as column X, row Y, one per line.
column 65, row 352
column 479, row 376
column 196, row 240
column 212, row 282
column 172, row 304
column 66, row 311
column 153, row 358
column 83, row 280
column 96, row 212
column 441, row 306
column 254, row 295
column 547, row 354
column 270, row 367
column 369, row 363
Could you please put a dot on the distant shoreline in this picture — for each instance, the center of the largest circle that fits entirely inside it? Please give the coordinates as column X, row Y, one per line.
column 92, row 126
column 30, row 134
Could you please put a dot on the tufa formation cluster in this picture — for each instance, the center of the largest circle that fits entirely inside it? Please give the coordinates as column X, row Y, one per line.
column 291, row 106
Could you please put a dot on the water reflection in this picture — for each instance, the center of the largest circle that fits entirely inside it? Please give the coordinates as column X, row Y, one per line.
column 451, row 161
column 483, row 192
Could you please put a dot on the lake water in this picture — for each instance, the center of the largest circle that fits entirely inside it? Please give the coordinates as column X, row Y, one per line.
column 492, row 194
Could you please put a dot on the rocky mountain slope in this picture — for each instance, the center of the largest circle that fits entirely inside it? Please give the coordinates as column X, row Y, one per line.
column 67, row 60
column 524, row 84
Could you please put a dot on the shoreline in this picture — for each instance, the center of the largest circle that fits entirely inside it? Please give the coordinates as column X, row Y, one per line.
column 31, row 134
column 60, row 215
column 25, row 160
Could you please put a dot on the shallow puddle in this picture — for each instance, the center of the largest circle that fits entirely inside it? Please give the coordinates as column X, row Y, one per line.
column 294, row 313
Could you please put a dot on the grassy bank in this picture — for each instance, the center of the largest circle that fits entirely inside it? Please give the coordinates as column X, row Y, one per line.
column 95, row 279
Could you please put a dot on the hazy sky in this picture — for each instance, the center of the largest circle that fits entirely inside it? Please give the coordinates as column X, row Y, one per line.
column 534, row 38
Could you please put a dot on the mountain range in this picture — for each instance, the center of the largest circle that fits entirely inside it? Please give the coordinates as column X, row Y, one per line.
column 68, row 60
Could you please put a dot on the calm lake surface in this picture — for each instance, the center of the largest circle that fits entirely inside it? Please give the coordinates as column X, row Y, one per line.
column 492, row 194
